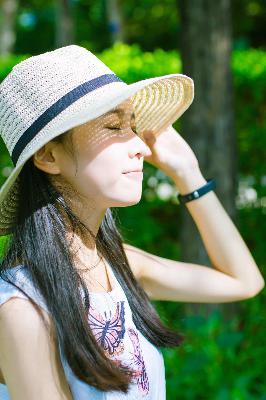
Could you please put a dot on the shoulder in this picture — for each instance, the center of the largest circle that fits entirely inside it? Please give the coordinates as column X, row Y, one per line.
column 29, row 352
column 16, row 282
column 18, row 314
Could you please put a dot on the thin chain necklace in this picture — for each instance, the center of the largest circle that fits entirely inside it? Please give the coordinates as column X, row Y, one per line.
column 90, row 280
column 90, row 268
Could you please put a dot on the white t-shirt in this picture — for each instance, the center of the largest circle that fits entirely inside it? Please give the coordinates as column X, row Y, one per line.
column 113, row 326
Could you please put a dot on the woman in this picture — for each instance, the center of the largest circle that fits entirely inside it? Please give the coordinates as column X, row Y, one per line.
column 75, row 317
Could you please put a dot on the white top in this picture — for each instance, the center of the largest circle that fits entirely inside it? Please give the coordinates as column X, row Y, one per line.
column 113, row 326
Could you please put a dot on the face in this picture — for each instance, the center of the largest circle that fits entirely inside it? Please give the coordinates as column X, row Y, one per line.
column 105, row 149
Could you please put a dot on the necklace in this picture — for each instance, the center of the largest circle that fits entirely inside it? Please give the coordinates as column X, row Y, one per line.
column 90, row 268
column 90, row 280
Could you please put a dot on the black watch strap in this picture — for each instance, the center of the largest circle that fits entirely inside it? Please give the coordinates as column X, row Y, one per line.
column 210, row 185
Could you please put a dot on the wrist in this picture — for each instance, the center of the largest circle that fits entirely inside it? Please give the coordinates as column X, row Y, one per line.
column 190, row 181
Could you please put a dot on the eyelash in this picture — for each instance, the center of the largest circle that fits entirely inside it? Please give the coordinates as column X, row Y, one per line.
column 135, row 131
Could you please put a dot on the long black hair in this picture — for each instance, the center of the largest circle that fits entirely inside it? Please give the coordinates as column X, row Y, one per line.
column 39, row 242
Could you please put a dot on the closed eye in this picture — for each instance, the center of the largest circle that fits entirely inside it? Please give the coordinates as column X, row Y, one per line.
column 117, row 128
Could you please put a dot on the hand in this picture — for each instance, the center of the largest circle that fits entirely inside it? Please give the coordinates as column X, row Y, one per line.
column 170, row 153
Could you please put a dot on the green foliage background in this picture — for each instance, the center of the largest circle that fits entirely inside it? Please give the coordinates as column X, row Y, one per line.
column 222, row 358
column 150, row 23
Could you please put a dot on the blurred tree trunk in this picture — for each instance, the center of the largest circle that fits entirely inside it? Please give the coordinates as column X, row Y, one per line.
column 8, row 11
column 64, row 33
column 208, row 125
column 115, row 20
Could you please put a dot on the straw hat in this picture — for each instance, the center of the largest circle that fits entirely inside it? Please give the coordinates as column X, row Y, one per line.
column 48, row 94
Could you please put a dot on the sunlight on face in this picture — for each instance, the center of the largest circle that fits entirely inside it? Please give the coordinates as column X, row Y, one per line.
column 105, row 148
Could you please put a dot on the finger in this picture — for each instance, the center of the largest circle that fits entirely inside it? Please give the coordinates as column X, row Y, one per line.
column 149, row 136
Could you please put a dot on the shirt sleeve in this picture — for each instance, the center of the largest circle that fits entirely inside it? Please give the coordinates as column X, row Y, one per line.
column 20, row 279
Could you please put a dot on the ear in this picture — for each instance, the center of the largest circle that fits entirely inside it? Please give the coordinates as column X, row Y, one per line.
column 45, row 159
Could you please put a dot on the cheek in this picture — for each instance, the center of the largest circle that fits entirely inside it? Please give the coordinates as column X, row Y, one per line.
column 101, row 173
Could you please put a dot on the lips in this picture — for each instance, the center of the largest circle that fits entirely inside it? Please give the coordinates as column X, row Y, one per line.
column 135, row 175
column 135, row 170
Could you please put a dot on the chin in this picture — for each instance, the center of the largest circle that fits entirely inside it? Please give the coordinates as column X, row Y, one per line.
column 132, row 203
column 128, row 203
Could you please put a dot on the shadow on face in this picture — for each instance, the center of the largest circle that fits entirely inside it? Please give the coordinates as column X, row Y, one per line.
column 117, row 124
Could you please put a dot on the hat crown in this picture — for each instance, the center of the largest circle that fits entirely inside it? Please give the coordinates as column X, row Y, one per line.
column 36, row 83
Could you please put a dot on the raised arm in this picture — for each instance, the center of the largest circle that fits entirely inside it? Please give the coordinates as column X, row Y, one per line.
column 235, row 275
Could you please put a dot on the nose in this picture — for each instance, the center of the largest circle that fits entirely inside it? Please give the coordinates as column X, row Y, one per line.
column 138, row 146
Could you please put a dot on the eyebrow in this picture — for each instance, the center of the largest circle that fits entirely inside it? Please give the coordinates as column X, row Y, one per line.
column 119, row 111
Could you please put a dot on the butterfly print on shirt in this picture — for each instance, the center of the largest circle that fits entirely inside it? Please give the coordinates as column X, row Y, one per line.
column 109, row 331
column 138, row 364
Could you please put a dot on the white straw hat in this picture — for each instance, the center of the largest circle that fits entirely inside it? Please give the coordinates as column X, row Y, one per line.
column 48, row 94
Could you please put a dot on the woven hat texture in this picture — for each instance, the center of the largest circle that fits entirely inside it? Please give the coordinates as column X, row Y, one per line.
column 50, row 93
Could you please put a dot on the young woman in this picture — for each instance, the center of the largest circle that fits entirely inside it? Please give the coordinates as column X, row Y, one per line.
column 76, row 321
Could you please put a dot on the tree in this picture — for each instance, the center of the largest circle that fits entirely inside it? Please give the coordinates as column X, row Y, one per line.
column 115, row 20
column 8, row 13
column 208, row 125
column 64, row 24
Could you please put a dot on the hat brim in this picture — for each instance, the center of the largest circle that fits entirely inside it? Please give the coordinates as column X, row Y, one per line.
column 158, row 102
